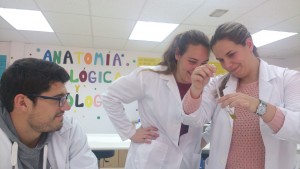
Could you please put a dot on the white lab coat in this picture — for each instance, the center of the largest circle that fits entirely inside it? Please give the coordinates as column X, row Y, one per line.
column 277, row 86
column 160, row 106
column 67, row 149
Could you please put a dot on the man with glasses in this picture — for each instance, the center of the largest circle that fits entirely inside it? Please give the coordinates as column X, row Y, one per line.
column 34, row 134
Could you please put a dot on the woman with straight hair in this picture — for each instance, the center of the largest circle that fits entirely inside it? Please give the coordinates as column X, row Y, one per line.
column 162, row 142
column 254, row 110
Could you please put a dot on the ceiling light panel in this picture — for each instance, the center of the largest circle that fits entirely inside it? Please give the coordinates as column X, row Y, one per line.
column 265, row 37
column 151, row 31
column 25, row 19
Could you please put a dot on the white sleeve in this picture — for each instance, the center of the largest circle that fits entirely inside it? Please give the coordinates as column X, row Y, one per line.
column 80, row 156
column 126, row 89
column 290, row 107
column 206, row 109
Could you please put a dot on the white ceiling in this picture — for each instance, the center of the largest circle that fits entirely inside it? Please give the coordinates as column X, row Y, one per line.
column 107, row 24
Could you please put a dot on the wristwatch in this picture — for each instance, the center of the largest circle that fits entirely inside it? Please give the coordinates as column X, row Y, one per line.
column 262, row 108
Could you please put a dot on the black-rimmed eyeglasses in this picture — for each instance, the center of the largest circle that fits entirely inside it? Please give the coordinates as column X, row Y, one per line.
column 61, row 100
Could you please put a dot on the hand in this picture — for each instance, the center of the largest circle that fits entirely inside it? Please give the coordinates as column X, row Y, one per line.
column 200, row 77
column 145, row 135
column 239, row 99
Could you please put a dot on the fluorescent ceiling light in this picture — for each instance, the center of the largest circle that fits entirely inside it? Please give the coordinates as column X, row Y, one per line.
column 151, row 31
column 265, row 37
column 25, row 19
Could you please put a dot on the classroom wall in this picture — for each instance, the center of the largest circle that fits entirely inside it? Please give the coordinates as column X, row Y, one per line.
column 291, row 63
column 4, row 48
column 91, row 72
column 297, row 68
column 4, row 51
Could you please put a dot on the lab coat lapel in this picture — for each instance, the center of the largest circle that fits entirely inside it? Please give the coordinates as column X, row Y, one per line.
column 265, row 87
column 170, row 80
column 172, row 85
column 265, row 90
column 174, row 125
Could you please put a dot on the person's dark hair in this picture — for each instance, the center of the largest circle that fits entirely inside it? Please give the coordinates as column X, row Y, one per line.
column 234, row 32
column 180, row 44
column 29, row 76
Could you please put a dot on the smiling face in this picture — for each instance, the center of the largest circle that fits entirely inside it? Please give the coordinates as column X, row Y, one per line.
column 237, row 59
column 194, row 56
column 46, row 115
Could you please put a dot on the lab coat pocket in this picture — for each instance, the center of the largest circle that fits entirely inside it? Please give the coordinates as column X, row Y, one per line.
column 150, row 156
